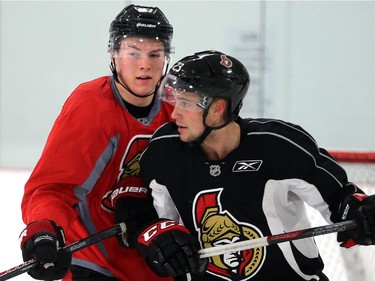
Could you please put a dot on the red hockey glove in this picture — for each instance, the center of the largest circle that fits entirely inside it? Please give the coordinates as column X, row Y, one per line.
column 361, row 208
column 132, row 204
column 43, row 240
column 170, row 250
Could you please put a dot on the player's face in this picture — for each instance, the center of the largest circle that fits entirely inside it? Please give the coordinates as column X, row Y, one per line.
column 139, row 63
column 188, row 117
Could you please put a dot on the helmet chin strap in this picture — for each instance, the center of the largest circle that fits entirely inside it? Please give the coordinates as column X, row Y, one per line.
column 208, row 129
column 112, row 66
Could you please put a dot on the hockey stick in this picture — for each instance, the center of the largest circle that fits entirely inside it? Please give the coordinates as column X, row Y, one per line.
column 78, row 245
column 278, row 238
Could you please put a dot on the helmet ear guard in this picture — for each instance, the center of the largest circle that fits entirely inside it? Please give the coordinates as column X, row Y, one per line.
column 233, row 115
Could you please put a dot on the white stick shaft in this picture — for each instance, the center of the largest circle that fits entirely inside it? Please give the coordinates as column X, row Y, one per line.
column 235, row 247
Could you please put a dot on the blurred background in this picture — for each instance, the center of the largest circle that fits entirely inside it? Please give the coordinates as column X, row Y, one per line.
column 311, row 63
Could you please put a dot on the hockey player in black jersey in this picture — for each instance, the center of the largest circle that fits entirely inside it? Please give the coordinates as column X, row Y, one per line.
column 227, row 179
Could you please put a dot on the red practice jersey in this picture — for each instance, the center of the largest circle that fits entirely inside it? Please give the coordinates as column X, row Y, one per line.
column 93, row 143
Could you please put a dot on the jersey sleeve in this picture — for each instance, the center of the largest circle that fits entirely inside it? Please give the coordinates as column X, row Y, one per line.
column 163, row 203
column 70, row 156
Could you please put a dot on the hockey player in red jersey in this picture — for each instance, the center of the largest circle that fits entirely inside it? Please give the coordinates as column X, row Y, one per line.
column 227, row 179
column 87, row 178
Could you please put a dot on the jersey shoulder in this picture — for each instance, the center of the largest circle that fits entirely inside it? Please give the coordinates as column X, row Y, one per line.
column 278, row 128
column 95, row 93
column 165, row 137
column 160, row 152
column 91, row 102
column 166, row 132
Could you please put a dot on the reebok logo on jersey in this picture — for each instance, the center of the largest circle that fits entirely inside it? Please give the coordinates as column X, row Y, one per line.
column 247, row 165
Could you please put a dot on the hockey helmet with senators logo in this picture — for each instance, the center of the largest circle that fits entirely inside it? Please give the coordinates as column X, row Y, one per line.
column 210, row 74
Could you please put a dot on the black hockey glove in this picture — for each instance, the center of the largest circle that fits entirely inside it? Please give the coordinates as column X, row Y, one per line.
column 132, row 204
column 361, row 208
column 136, row 213
column 170, row 250
column 43, row 240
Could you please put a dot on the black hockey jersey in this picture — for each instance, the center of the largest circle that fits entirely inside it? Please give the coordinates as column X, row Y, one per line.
column 259, row 189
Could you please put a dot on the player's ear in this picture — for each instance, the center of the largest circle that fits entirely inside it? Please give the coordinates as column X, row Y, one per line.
column 217, row 112
column 219, row 106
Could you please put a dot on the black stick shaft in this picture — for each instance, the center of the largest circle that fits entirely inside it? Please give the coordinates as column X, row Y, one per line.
column 93, row 239
column 310, row 232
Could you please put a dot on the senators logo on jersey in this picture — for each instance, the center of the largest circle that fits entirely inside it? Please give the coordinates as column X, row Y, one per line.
column 217, row 227
column 130, row 162
column 128, row 181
